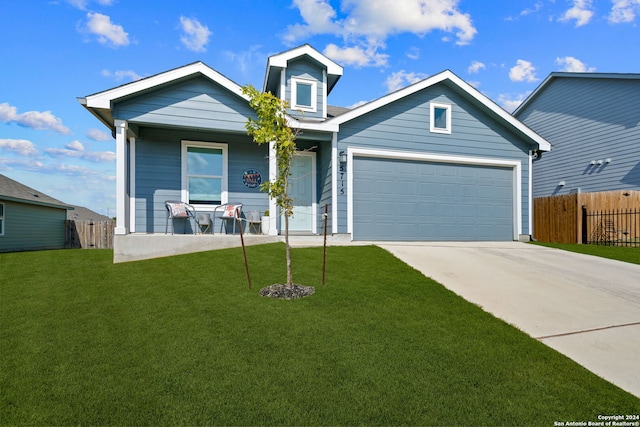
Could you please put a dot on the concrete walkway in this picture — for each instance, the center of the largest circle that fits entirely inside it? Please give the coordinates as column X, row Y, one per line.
column 585, row 307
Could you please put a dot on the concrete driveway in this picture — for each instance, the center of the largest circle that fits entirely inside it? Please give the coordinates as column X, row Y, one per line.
column 585, row 307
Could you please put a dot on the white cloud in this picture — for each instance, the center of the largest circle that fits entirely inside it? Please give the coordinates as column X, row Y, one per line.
column 358, row 56
column 318, row 16
column 196, row 36
column 38, row 120
column 120, row 75
column 75, row 146
column 357, row 104
column 77, row 150
column 401, row 78
column 581, row 12
column 246, row 60
column 523, row 71
column 72, row 170
column 536, row 7
column 21, row 146
column 573, row 65
column 367, row 24
column 98, row 135
column 509, row 103
column 21, row 163
column 108, row 33
column 624, row 11
column 475, row 67
column 82, row 4
column 380, row 18
column 413, row 53
column 528, row 11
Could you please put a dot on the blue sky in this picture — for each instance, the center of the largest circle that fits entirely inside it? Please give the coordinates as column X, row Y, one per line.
column 55, row 51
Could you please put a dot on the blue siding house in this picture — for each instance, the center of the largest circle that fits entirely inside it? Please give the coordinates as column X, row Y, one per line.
column 592, row 121
column 436, row 160
column 29, row 219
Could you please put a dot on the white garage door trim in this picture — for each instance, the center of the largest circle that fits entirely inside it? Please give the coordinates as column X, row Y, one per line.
column 441, row 158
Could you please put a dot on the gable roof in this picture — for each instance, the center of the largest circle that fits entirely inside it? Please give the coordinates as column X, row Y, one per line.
column 461, row 87
column 17, row 192
column 558, row 75
column 100, row 104
column 80, row 213
column 276, row 63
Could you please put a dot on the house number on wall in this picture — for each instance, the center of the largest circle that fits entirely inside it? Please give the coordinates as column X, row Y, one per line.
column 342, row 180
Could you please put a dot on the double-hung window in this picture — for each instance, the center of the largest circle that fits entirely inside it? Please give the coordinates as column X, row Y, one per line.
column 204, row 173
column 440, row 118
column 303, row 94
column 1, row 219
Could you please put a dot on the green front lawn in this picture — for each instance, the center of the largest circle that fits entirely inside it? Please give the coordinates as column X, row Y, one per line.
column 182, row 341
column 621, row 253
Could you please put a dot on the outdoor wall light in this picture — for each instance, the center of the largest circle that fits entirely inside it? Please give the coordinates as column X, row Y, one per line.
column 608, row 160
column 561, row 184
column 342, row 157
column 592, row 162
column 599, row 162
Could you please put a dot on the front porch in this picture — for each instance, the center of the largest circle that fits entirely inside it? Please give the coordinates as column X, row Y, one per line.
column 139, row 246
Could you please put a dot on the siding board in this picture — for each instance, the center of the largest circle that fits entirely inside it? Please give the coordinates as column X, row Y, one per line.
column 32, row 227
column 404, row 126
column 159, row 172
column 196, row 102
column 586, row 119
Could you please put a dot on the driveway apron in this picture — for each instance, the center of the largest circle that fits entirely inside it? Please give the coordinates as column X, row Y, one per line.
column 586, row 307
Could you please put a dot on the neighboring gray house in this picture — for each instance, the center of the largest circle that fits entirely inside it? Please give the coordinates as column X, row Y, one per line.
column 436, row 160
column 592, row 121
column 80, row 213
column 29, row 219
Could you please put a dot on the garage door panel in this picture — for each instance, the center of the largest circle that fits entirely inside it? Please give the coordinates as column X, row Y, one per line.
column 411, row 200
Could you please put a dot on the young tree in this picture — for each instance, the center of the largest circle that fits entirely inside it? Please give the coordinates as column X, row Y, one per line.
column 271, row 126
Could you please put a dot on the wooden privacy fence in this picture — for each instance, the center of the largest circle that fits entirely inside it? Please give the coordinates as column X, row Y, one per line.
column 559, row 219
column 89, row 234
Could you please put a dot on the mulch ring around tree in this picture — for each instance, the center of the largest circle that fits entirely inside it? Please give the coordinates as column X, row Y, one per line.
column 287, row 291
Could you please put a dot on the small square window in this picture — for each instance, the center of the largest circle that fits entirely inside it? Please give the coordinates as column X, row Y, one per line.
column 440, row 121
column 303, row 95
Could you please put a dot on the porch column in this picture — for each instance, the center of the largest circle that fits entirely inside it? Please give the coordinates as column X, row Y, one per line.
column 273, row 175
column 131, row 199
column 335, row 165
column 122, row 199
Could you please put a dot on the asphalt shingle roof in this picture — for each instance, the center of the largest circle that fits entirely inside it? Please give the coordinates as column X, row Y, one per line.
column 13, row 190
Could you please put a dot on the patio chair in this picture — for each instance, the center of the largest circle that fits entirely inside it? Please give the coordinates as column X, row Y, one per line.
column 254, row 220
column 228, row 212
column 179, row 210
column 204, row 223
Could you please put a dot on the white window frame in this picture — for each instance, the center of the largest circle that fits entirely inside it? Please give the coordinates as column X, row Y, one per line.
column 432, row 118
column 314, row 94
column 3, row 215
column 225, row 172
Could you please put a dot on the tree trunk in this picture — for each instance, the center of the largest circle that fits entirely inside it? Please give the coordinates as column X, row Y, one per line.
column 287, row 249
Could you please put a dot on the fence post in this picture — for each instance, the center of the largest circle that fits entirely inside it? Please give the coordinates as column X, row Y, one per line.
column 585, row 232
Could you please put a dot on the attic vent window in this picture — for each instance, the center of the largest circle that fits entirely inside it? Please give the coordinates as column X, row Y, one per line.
column 303, row 94
column 440, row 118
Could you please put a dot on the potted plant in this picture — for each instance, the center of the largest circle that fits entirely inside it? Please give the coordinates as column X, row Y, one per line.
column 265, row 222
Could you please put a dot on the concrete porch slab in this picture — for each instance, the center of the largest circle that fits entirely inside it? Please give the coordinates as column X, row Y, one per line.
column 136, row 247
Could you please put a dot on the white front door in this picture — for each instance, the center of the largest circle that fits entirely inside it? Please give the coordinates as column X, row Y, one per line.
column 302, row 189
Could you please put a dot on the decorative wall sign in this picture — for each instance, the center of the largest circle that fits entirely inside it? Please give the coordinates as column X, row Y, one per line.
column 252, row 178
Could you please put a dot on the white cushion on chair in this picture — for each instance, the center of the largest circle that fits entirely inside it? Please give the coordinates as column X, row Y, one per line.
column 178, row 210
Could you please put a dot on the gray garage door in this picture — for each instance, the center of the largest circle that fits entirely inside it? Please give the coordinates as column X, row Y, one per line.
column 410, row 200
